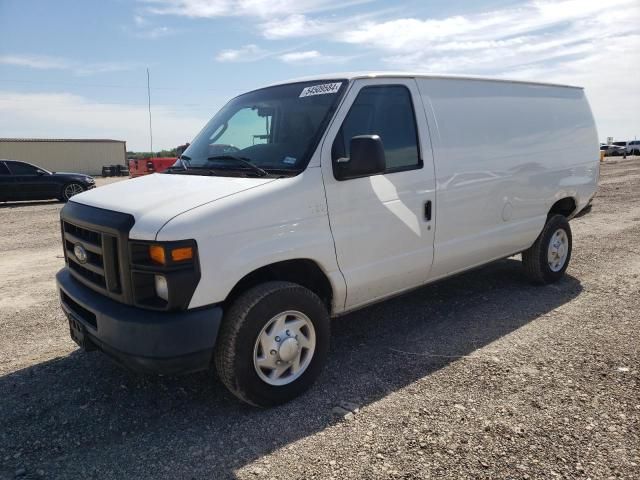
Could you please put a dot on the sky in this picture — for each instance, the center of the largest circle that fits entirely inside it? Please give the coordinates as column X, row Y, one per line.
column 77, row 68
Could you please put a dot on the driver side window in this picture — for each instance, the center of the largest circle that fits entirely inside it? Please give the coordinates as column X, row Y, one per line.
column 386, row 111
column 19, row 168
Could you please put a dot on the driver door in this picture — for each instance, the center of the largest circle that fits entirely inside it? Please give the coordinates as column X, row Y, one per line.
column 382, row 224
column 28, row 183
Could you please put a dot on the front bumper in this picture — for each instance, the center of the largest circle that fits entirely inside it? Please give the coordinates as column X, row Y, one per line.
column 142, row 340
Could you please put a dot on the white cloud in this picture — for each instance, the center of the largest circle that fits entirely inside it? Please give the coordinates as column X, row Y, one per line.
column 294, row 57
column 64, row 115
column 252, row 53
column 580, row 42
column 43, row 62
column 140, row 21
column 146, row 29
column 153, row 33
column 40, row 62
column 247, row 53
column 295, row 26
column 311, row 57
column 249, row 8
column 510, row 25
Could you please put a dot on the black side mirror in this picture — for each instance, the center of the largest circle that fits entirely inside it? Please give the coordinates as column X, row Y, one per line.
column 367, row 158
column 40, row 172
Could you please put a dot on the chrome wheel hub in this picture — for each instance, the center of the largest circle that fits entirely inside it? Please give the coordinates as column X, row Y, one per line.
column 71, row 190
column 288, row 350
column 284, row 348
column 558, row 250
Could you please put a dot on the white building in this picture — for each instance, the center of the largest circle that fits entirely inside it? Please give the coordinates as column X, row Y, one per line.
column 65, row 155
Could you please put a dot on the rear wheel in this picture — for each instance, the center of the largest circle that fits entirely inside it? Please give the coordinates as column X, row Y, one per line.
column 547, row 259
column 71, row 189
column 273, row 343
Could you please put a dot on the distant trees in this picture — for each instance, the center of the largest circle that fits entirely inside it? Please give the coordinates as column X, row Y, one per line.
column 174, row 152
column 161, row 153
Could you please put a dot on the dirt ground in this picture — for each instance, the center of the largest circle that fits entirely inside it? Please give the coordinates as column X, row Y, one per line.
column 480, row 376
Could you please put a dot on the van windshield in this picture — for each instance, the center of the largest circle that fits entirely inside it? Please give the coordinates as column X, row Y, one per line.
column 275, row 129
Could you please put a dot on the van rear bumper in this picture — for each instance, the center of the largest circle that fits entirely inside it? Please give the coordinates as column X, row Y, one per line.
column 142, row 340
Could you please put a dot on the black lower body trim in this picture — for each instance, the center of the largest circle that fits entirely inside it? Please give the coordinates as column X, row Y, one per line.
column 192, row 362
column 142, row 340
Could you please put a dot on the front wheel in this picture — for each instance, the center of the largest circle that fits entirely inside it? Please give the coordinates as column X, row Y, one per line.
column 273, row 343
column 547, row 259
column 69, row 190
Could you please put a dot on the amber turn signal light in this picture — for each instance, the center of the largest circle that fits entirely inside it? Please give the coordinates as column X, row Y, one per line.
column 156, row 252
column 181, row 254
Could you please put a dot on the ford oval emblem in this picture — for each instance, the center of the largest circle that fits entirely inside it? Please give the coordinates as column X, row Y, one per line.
column 80, row 253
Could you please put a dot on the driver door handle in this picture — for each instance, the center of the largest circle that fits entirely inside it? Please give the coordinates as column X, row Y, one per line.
column 427, row 210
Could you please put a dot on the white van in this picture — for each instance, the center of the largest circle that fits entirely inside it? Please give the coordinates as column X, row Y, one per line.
column 308, row 199
column 633, row 147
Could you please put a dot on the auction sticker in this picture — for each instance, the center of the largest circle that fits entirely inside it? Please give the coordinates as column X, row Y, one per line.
column 324, row 89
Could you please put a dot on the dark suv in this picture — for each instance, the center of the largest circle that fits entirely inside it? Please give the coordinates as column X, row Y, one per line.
column 24, row 181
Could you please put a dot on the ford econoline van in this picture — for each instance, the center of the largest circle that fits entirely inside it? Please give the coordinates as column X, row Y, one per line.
column 308, row 199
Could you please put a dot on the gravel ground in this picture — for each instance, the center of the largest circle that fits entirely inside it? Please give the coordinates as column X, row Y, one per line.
column 480, row 376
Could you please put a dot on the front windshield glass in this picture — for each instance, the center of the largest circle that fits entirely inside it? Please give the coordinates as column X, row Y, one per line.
column 275, row 129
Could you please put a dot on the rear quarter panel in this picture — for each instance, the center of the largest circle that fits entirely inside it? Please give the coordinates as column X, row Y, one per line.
column 504, row 152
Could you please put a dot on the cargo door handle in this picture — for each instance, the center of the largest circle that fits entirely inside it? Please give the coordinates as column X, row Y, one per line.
column 427, row 210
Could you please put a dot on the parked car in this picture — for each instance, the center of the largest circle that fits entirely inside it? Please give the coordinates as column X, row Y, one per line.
column 24, row 181
column 330, row 194
column 622, row 145
column 145, row 166
column 613, row 150
column 629, row 148
column 633, row 147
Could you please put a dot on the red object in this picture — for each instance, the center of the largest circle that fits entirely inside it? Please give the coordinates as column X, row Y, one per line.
column 145, row 166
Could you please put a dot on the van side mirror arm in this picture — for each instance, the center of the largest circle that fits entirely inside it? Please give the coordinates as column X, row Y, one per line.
column 366, row 158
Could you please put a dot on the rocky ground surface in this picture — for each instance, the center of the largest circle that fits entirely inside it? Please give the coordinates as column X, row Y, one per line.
column 480, row 376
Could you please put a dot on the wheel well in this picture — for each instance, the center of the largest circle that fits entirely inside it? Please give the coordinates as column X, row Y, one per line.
column 304, row 272
column 565, row 207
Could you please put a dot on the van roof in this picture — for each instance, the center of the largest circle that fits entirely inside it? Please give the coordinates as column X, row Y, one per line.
column 383, row 74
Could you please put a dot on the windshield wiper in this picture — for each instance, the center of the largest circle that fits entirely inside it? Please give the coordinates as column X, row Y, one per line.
column 184, row 161
column 245, row 161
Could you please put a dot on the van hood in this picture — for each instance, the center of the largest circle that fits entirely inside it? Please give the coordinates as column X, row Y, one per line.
column 155, row 199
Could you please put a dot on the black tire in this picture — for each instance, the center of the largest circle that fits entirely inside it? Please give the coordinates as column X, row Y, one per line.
column 64, row 197
column 535, row 259
column 242, row 324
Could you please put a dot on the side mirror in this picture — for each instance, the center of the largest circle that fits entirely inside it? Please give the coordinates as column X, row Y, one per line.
column 367, row 158
column 40, row 172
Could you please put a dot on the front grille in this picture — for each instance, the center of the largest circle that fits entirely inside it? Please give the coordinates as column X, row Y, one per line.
column 104, row 236
column 101, row 269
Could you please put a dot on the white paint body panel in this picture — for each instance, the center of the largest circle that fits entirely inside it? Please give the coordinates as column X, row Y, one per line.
column 383, row 243
column 281, row 220
column 155, row 199
column 496, row 154
column 504, row 154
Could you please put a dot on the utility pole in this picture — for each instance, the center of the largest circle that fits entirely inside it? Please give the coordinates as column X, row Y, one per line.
column 149, row 98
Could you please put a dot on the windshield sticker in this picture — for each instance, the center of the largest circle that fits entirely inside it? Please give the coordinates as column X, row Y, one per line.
column 289, row 160
column 324, row 89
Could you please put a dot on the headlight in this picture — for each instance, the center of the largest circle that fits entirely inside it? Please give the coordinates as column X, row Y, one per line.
column 164, row 275
column 162, row 289
column 159, row 254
